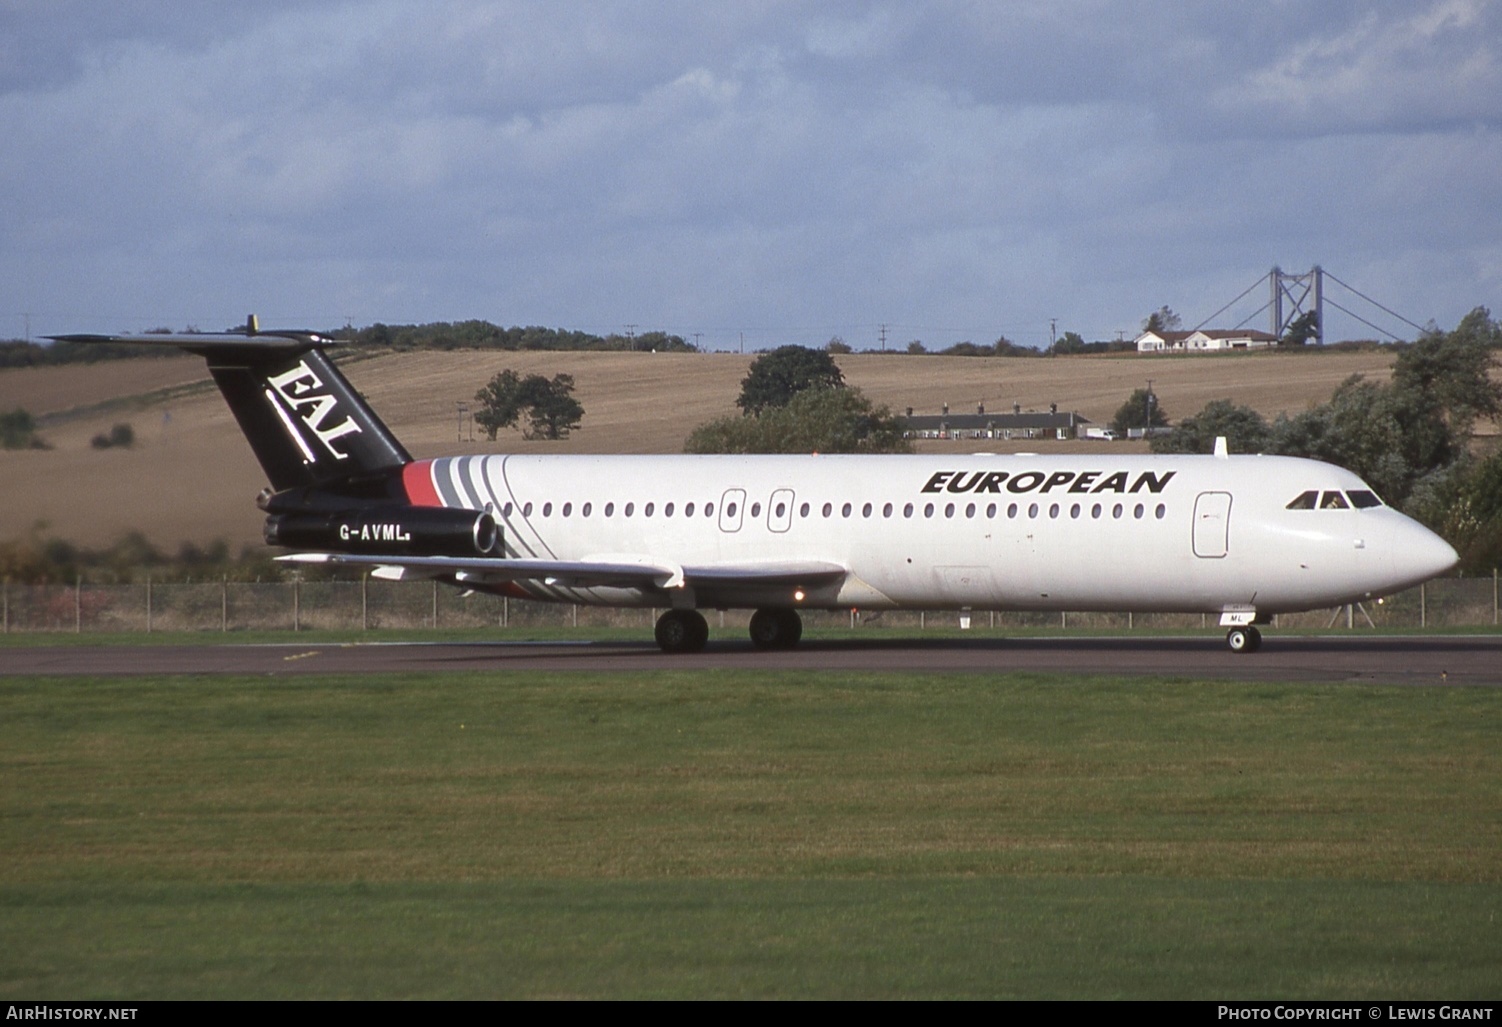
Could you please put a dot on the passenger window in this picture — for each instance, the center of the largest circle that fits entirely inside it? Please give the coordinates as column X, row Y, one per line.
column 781, row 511
column 755, row 510
column 630, row 509
column 948, row 509
column 1074, row 511
column 609, row 509
column 568, row 509
column 907, row 511
column 970, row 510
column 803, row 510
column 1161, row 512
column 866, row 510
column 526, row 509
column 991, row 510
column 547, row 509
column 729, row 510
column 1095, row 511
column 1334, row 501
column 1012, row 510
column 1116, row 511
column 1138, row 512
column 1032, row 509
column 506, row 510
column 1304, row 501
column 688, row 510
column 928, row 509
column 709, row 510
column 667, row 511
column 1362, row 499
column 647, row 510
column 845, row 510
column 586, row 509
column 886, row 510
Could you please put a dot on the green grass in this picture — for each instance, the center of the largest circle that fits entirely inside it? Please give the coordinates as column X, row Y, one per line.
column 747, row 834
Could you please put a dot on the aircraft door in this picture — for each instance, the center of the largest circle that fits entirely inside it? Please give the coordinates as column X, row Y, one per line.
column 732, row 509
column 780, row 510
column 1212, row 525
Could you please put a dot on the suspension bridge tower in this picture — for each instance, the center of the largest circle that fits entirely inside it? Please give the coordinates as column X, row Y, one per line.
column 1294, row 297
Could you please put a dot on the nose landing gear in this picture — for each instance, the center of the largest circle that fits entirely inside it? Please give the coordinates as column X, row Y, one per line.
column 1244, row 640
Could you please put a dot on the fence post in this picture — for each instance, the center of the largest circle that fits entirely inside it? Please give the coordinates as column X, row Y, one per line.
column 148, row 604
column 78, row 604
column 1494, row 597
column 505, row 611
column 296, row 604
column 7, row 605
column 1423, row 608
column 224, row 604
column 435, row 604
column 364, row 601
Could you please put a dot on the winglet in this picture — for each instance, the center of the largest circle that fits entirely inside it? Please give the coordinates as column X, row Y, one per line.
column 1222, row 451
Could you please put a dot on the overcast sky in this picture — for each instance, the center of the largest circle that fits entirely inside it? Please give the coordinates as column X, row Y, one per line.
column 790, row 171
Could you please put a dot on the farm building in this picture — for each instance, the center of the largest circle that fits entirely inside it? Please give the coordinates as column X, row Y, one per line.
column 980, row 425
column 1204, row 340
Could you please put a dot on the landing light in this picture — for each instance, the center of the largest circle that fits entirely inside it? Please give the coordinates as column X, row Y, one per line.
column 798, row 595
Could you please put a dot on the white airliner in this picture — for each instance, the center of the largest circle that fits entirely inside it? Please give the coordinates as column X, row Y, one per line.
column 1242, row 537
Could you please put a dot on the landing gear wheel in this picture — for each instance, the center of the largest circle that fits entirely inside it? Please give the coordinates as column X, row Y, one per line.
column 776, row 629
column 682, row 631
column 1244, row 640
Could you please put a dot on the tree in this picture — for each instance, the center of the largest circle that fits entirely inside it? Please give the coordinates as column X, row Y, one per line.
column 836, row 345
column 1453, row 370
column 916, row 347
column 1162, row 320
column 1244, row 430
column 840, row 420
column 776, row 377
column 552, row 412
column 1391, row 436
column 1141, row 410
column 18, row 430
column 1301, row 329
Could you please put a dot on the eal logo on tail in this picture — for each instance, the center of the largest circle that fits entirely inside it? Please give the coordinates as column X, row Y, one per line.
column 297, row 393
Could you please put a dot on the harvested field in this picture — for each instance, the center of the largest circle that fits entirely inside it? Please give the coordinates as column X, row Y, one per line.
column 190, row 477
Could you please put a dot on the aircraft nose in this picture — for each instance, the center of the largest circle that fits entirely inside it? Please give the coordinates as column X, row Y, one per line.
column 1419, row 554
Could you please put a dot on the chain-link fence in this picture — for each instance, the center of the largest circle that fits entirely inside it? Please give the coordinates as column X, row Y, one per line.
column 373, row 605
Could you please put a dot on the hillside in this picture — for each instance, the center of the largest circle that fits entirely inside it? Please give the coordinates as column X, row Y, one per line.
column 190, row 477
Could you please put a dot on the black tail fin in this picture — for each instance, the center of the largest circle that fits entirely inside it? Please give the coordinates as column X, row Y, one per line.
column 307, row 424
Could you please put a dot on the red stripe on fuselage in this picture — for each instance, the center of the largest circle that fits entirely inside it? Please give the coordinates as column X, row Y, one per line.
column 417, row 480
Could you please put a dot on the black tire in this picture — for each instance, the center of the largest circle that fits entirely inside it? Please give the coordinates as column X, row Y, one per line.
column 776, row 629
column 681, row 631
column 1243, row 640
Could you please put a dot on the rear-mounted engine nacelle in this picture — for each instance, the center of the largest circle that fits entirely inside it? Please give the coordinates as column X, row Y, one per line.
column 388, row 531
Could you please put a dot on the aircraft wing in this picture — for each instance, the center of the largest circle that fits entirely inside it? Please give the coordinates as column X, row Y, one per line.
column 613, row 571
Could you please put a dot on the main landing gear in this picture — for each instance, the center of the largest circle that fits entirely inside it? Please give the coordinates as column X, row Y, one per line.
column 1244, row 640
column 685, row 631
column 776, row 629
column 682, row 631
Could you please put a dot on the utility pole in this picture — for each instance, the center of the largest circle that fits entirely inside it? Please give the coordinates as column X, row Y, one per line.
column 883, row 336
column 697, row 337
column 1053, row 333
column 631, row 337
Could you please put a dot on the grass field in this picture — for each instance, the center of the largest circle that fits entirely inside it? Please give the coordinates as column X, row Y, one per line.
column 723, row 834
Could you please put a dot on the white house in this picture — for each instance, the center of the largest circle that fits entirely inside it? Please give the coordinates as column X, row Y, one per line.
column 1204, row 340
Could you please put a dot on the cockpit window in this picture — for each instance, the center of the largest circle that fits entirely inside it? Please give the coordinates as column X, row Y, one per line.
column 1362, row 499
column 1334, row 501
column 1305, row 501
